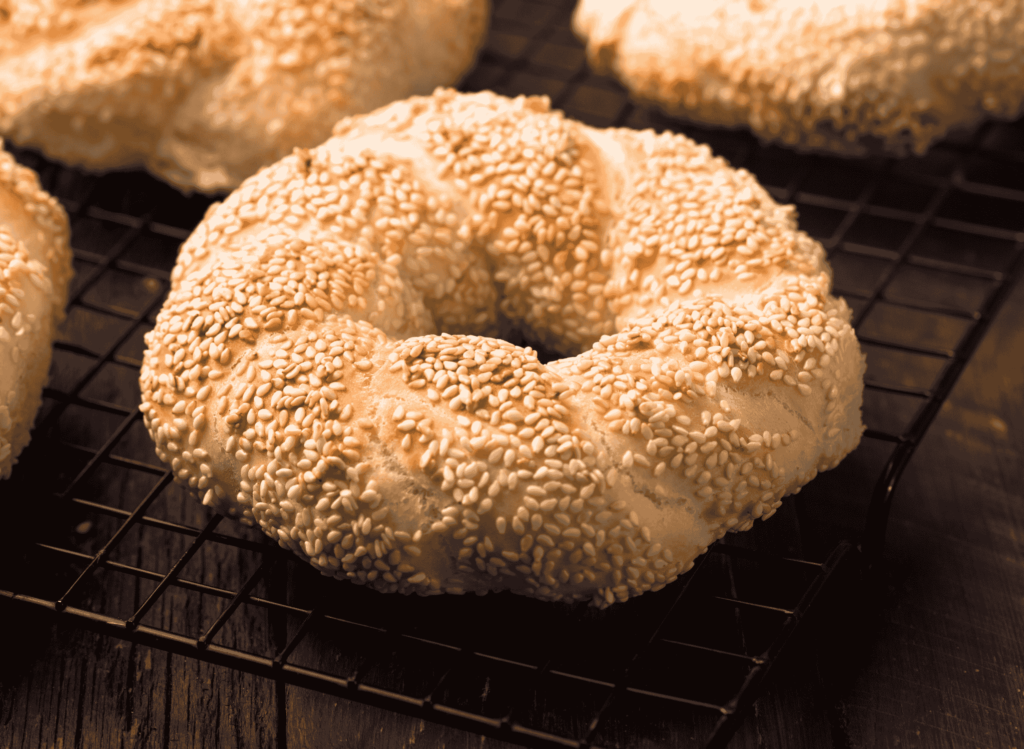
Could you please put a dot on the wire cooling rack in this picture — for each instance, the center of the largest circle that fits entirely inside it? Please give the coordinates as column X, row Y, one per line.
column 925, row 250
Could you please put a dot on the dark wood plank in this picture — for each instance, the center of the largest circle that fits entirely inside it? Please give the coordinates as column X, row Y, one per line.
column 939, row 662
column 316, row 720
column 947, row 669
column 80, row 689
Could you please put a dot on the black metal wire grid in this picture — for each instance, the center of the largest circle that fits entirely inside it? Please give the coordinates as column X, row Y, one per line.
column 925, row 250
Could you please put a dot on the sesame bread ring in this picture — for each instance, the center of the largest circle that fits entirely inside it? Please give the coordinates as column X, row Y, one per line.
column 35, row 267
column 852, row 77
column 323, row 365
column 205, row 92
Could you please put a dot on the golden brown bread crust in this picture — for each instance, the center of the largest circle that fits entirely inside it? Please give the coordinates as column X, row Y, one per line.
column 35, row 267
column 204, row 92
column 844, row 76
column 296, row 379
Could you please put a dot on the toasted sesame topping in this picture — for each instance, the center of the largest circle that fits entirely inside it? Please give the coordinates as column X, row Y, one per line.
column 35, row 267
column 835, row 76
column 205, row 92
column 326, row 365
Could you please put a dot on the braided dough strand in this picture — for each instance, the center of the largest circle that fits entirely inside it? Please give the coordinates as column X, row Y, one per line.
column 205, row 92
column 297, row 377
column 35, row 268
column 844, row 76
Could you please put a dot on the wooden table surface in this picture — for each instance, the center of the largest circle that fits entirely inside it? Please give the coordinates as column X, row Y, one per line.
column 937, row 660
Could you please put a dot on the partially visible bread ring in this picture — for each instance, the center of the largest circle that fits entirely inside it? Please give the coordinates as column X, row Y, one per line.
column 35, row 267
column 847, row 76
column 204, row 92
column 296, row 379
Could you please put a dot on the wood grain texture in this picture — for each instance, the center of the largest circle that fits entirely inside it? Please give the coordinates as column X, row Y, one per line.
column 947, row 667
column 73, row 688
column 939, row 662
